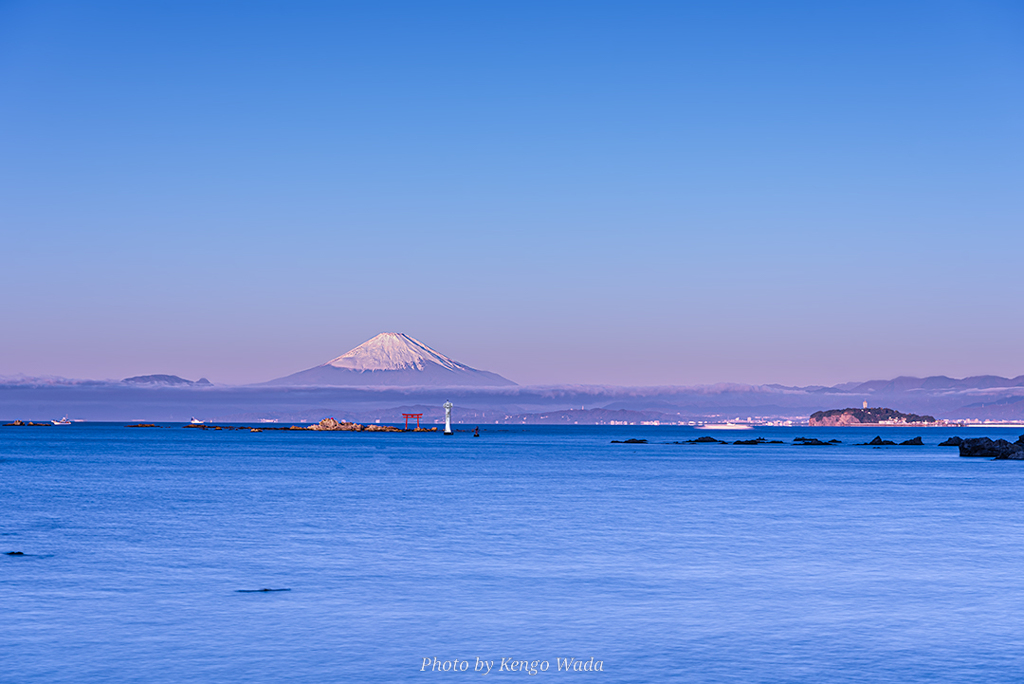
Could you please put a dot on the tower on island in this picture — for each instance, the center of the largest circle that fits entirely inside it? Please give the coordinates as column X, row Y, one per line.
column 865, row 404
column 447, row 417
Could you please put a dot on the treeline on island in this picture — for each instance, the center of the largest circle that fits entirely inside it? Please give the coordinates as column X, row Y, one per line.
column 864, row 416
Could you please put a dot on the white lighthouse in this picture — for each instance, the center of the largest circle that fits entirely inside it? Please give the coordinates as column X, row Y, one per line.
column 447, row 417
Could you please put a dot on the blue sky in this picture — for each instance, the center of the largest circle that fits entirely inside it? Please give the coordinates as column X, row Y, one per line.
column 561, row 192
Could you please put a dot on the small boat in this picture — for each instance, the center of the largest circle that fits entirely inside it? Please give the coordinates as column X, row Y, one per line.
column 62, row 421
column 196, row 421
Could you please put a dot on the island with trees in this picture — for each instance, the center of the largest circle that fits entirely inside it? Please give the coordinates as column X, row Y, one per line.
column 866, row 416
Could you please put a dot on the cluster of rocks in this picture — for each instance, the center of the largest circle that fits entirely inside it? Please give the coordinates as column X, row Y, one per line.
column 345, row 426
column 19, row 423
column 878, row 441
column 814, row 441
column 983, row 447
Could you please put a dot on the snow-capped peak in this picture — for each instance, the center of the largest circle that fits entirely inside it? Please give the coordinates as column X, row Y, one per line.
column 393, row 351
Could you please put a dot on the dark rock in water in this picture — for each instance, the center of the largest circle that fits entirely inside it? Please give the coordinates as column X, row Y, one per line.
column 811, row 441
column 14, row 553
column 983, row 447
column 835, row 441
column 749, row 442
column 258, row 591
column 916, row 441
column 878, row 441
column 706, row 440
column 952, row 441
column 628, row 441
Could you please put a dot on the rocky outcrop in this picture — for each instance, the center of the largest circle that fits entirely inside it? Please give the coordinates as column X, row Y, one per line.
column 333, row 425
column 983, row 447
column 382, row 428
column 878, row 441
column 916, row 441
column 952, row 441
column 853, row 416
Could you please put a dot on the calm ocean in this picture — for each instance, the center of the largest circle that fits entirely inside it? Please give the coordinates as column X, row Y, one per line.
column 662, row 562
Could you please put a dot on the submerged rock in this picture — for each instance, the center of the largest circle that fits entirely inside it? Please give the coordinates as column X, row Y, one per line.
column 878, row 441
column 629, row 441
column 916, row 441
column 706, row 439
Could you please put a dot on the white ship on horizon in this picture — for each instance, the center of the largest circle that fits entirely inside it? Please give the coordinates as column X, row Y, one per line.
column 727, row 426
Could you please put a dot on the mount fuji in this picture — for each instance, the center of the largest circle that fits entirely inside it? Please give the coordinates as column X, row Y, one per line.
column 393, row 359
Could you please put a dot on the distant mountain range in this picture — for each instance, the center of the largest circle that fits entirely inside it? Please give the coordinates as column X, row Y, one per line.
column 169, row 380
column 393, row 359
column 374, row 380
column 934, row 383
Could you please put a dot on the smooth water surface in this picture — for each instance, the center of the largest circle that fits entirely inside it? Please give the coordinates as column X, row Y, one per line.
column 666, row 562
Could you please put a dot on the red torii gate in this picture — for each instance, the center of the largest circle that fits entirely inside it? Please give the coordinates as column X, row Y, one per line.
column 407, row 416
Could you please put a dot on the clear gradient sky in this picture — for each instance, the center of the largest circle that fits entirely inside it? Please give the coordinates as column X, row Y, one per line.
column 630, row 193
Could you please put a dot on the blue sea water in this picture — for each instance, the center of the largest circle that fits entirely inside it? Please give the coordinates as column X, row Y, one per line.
column 663, row 562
